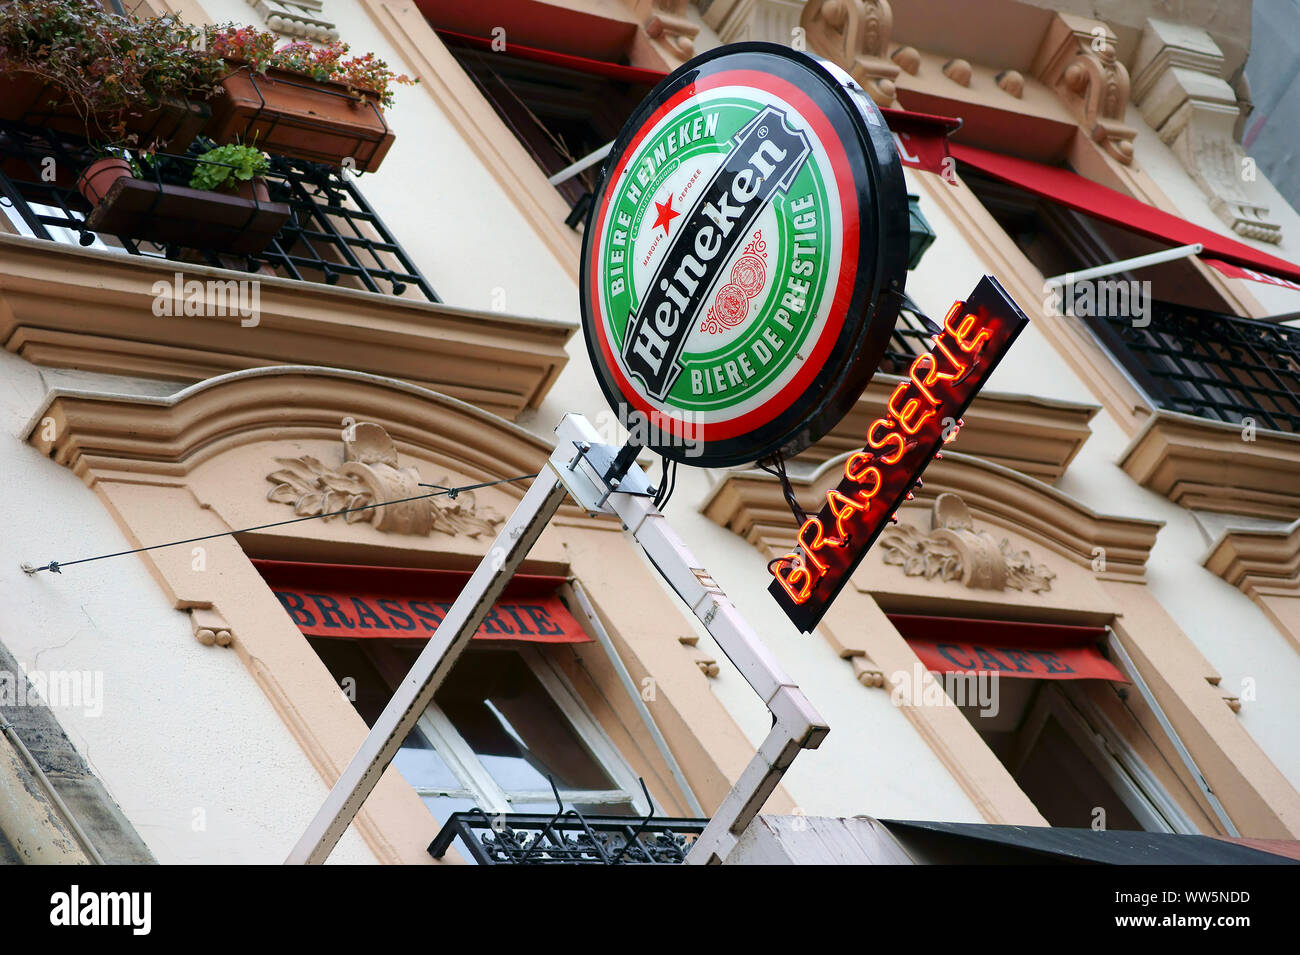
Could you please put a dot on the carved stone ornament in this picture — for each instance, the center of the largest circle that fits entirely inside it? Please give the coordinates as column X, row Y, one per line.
column 954, row 550
column 854, row 35
column 304, row 19
column 1079, row 61
column 668, row 22
column 1178, row 85
column 368, row 475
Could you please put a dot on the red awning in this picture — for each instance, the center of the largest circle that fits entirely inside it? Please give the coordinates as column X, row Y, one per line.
column 922, row 138
column 582, row 64
column 345, row 600
column 1100, row 202
column 1008, row 648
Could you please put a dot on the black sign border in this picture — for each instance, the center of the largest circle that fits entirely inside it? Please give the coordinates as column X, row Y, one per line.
column 881, row 267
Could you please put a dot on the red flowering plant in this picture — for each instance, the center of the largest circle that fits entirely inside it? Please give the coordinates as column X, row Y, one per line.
column 105, row 65
column 326, row 64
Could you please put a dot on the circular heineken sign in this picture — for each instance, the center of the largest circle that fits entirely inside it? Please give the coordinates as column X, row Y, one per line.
column 744, row 256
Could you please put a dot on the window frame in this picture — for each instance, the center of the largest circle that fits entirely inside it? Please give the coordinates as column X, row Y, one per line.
column 478, row 783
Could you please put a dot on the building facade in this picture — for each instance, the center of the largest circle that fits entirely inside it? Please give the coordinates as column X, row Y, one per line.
column 1126, row 487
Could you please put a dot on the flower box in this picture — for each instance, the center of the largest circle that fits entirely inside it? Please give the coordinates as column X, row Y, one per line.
column 160, row 212
column 31, row 100
column 293, row 115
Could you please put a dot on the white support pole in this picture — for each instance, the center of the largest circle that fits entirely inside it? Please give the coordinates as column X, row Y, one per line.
column 512, row 545
column 797, row 725
column 1124, row 265
column 586, row 162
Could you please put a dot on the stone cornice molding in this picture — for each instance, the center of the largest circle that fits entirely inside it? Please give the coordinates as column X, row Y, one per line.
column 854, row 35
column 73, row 308
column 750, row 503
column 1215, row 466
column 1078, row 59
column 1258, row 561
column 130, row 438
column 1179, row 85
column 1036, row 436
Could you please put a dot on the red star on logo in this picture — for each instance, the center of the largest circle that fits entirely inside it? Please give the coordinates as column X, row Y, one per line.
column 666, row 214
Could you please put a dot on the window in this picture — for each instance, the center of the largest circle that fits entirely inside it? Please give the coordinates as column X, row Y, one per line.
column 1164, row 325
column 1052, row 706
column 1077, row 769
column 502, row 725
column 560, row 114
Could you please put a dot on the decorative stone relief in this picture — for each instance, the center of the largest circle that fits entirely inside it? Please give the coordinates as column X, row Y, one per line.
column 1078, row 61
column 959, row 71
column 854, row 34
column 708, row 666
column 954, row 550
column 297, row 18
column 668, row 22
column 866, row 672
column 369, row 474
column 735, row 21
column 908, row 58
column 1178, row 85
column 210, row 627
column 1011, row 82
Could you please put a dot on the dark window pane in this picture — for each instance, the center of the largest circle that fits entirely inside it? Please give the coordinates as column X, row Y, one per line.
column 508, row 719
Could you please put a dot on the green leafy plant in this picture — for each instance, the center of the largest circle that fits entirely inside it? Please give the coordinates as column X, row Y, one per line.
column 106, row 65
column 222, row 169
column 327, row 63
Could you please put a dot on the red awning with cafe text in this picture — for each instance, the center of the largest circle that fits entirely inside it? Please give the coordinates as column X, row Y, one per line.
column 1008, row 648
column 349, row 601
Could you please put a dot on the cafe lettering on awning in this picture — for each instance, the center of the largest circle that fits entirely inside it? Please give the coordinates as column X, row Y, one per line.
column 1008, row 648
column 347, row 601
column 923, row 413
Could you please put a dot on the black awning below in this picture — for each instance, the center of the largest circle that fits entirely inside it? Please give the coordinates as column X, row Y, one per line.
column 958, row 843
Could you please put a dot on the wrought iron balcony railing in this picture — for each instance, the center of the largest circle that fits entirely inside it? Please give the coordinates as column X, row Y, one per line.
column 1188, row 360
column 1210, row 365
column 332, row 235
column 570, row 838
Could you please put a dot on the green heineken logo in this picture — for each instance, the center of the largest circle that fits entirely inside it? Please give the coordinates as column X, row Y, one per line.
column 725, row 248
column 718, row 252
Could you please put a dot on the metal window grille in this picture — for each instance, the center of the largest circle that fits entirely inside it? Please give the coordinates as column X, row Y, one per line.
column 332, row 236
column 568, row 839
column 910, row 338
column 1210, row 365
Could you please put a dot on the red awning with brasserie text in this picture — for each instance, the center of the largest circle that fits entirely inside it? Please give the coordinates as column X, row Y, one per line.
column 346, row 600
column 922, row 139
column 1008, row 648
column 1100, row 202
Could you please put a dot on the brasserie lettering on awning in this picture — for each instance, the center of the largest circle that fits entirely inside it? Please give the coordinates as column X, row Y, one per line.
column 347, row 601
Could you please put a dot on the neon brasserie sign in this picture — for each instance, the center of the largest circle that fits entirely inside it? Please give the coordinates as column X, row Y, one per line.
column 922, row 413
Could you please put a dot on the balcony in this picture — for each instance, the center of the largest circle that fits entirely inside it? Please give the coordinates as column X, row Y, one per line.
column 1209, row 365
column 1225, row 435
column 568, row 839
column 332, row 235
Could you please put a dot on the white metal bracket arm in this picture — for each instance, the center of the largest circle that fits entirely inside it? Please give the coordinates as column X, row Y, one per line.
column 579, row 466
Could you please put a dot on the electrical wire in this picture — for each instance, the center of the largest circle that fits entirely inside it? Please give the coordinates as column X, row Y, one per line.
column 56, row 567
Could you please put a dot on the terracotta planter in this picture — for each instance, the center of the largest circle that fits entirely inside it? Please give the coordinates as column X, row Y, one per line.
column 153, row 212
column 254, row 189
column 30, row 100
column 97, row 178
column 294, row 115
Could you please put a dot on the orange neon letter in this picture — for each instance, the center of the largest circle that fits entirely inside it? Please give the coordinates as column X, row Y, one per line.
column 872, row 442
column 795, row 571
column 905, row 416
column 842, row 507
column 967, row 325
